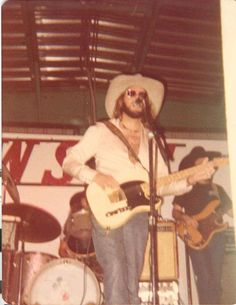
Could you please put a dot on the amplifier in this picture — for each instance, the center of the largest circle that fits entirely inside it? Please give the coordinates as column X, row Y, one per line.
column 167, row 260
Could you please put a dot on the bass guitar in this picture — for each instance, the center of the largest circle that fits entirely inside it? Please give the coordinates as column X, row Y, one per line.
column 112, row 208
column 209, row 223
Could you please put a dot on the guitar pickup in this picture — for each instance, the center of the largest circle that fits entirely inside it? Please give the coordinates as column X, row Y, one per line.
column 116, row 195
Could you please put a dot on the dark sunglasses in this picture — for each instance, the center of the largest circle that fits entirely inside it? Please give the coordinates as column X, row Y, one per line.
column 132, row 93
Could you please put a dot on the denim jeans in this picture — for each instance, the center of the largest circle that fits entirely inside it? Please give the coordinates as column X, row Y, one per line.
column 207, row 266
column 120, row 252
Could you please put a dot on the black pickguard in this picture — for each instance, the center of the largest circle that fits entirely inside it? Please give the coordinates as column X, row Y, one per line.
column 134, row 194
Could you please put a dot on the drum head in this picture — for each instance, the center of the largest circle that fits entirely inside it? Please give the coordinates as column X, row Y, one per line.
column 64, row 282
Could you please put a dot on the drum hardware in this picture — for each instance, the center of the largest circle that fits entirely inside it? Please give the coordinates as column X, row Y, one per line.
column 36, row 225
column 9, row 185
column 10, row 232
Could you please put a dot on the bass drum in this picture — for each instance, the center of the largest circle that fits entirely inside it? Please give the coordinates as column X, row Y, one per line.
column 70, row 248
column 64, row 282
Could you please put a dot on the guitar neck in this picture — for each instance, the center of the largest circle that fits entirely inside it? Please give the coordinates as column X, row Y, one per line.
column 177, row 176
column 189, row 171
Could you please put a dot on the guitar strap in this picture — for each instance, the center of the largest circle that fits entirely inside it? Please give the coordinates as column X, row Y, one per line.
column 120, row 135
column 215, row 189
column 220, row 210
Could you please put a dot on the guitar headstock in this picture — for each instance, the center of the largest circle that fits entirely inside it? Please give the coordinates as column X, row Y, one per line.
column 220, row 161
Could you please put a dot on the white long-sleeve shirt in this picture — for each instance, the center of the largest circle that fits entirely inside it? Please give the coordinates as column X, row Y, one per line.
column 112, row 158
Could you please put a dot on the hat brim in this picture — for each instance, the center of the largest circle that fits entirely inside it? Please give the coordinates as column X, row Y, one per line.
column 154, row 89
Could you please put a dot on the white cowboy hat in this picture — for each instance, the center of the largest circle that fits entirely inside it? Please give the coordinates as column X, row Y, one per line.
column 154, row 89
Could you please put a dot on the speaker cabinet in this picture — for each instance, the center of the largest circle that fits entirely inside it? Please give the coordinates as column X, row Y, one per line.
column 167, row 261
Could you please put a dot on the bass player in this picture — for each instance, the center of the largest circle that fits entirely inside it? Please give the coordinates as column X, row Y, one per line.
column 199, row 222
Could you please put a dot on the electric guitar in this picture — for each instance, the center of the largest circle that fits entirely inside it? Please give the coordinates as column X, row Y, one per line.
column 112, row 208
column 208, row 225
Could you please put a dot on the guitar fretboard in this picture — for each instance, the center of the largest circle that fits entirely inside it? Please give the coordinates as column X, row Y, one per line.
column 187, row 172
column 190, row 171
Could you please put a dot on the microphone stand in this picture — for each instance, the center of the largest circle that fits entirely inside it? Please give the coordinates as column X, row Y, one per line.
column 153, row 218
column 21, row 265
column 189, row 285
column 153, row 222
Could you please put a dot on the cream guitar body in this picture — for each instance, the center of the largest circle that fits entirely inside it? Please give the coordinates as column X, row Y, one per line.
column 112, row 208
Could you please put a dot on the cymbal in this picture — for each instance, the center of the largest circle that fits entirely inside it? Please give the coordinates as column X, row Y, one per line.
column 10, row 184
column 37, row 225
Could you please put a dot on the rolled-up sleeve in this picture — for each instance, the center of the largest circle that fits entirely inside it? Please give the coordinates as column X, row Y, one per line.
column 175, row 188
column 170, row 187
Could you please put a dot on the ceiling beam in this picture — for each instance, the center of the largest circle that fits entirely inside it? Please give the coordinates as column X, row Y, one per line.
column 105, row 6
column 146, row 35
column 32, row 50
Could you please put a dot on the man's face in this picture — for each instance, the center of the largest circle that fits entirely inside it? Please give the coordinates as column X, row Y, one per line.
column 134, row 102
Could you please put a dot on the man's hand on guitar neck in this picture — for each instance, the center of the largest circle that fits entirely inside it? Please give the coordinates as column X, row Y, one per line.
column 203, row 174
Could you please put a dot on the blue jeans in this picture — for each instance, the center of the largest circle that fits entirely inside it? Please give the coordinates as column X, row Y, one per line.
column 207, row 266
column 120, row 252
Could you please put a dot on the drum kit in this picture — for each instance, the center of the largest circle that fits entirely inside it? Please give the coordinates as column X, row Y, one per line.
column 36, row 278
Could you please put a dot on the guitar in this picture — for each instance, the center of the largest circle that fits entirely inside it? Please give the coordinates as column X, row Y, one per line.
column 112, row 208
column 208, row 225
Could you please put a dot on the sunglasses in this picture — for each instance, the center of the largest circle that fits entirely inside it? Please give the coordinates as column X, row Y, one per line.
column 132, row 93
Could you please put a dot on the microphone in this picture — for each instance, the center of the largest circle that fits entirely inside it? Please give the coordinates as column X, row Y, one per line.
column 151, row 135
column 138, row 101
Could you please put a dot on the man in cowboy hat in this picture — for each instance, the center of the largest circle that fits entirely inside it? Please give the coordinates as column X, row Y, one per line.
column 132, row 102
column 209, row 201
